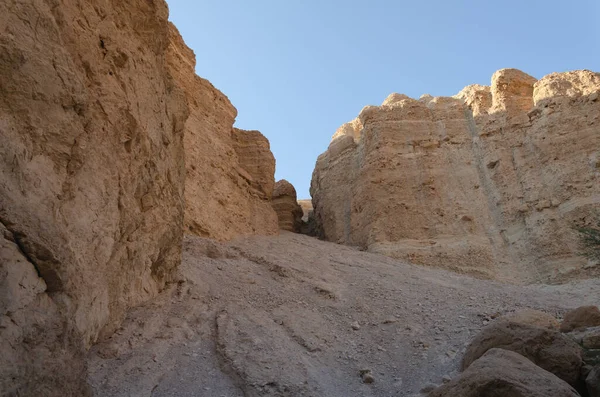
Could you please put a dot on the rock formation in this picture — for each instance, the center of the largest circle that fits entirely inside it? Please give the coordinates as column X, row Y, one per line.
column 504, row 372
column 307, row 209
column 490, row 182
column 94, row 107
column 286, row 206
column 229, row 172
column 91, row 177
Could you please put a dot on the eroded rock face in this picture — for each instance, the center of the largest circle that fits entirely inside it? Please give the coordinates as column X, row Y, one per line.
column 505, row 373
column 92, row 155
column 289, row 212
column 490, row 182
column 229, row 172
column 91, row 174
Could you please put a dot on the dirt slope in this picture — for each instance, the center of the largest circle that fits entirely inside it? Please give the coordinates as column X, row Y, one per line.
column 294, row 316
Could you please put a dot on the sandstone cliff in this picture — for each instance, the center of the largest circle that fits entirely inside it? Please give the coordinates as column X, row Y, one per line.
column 229, row 172
column 489, row 182
column 285, row 204
column 94, row 106
column 91, row 177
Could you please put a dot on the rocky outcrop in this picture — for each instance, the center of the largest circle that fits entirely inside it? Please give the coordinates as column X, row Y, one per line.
column 504, row 373
column 547, row 348
column 91, row 177
column 94, row 107
column 307, row 209
column 286, row 206
column 229, row 172
column 490, row 182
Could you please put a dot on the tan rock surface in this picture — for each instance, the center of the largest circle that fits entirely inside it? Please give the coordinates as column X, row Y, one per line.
column 582, row 317
column 91, row 171
column 93, row 117
column 490, row 182
column 549, row 349
column 277, row 316
column 229, row 172
column 284, row 202
column 533, row 317
column 504, row 373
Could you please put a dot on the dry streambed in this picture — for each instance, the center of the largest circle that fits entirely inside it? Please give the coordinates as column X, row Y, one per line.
column 293, row 316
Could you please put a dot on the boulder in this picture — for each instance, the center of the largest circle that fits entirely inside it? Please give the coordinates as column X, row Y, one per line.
column 285, row 204
column 500, row 373
column 582, row 317
column 592, row 382
column 533, row 317
column 589, row 340
column 545, row 347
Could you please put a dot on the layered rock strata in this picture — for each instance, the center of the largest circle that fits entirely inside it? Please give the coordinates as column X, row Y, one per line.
column 489, row 182
column 285, row 204
column 229, row 172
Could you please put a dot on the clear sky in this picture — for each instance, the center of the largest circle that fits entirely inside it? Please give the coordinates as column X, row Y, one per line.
column 298, row 69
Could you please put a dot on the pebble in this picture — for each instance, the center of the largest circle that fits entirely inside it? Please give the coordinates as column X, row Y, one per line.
column 355, row 326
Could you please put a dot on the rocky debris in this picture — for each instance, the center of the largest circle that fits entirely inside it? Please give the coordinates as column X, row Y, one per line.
column 505, row 373
column 367, row 376
column 533, row 317
column 229, row 172
column 523, row 155
column 284, row 202
column 262, row 315
column 592, row 382
column 547, row 348
column 587, row 337
column 582, row 317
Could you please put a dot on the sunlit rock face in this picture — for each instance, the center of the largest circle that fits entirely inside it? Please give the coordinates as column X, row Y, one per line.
column 490, row 182
column 230, row 173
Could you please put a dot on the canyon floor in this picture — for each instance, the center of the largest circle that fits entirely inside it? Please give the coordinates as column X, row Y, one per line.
column 294, row 316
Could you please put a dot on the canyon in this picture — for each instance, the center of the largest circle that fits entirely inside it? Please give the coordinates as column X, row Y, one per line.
column 146, row 248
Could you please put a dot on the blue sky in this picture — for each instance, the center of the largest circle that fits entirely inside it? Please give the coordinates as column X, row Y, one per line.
column 297, row 70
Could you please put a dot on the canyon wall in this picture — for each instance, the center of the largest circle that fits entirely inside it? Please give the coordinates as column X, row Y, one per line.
column 94, row 105
column 490, row 182
column 229, row 172
column 91, row 179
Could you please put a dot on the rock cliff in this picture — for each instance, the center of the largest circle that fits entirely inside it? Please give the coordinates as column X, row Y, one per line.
column 285, row 204
column 490, row 182
column 91, row 176
column 229, row 172
column 94, row 105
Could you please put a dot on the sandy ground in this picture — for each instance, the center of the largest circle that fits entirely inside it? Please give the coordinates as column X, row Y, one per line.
column 294, row 316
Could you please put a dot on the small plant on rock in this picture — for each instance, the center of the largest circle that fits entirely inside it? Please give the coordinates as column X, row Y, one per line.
column 590, row 240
